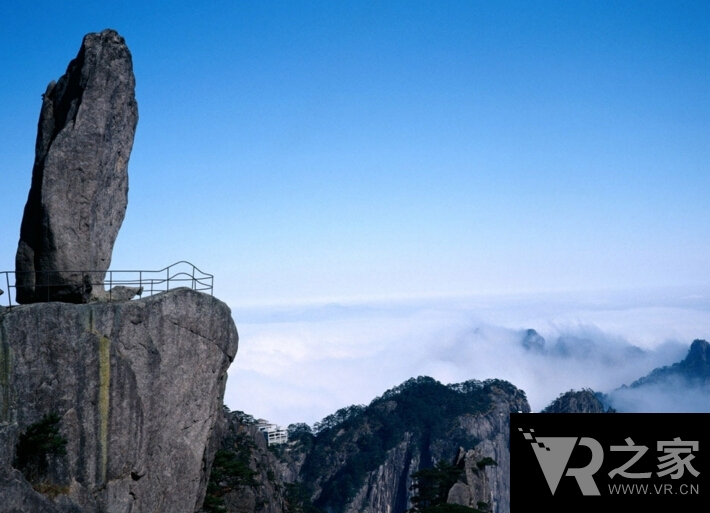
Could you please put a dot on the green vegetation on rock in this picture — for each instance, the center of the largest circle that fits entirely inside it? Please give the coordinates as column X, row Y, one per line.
column 36, row 445
column 298, row 500
column 432, row 486
column 230, row 469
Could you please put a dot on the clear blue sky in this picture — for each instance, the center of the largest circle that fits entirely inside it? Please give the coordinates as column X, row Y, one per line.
column 320, row 150
column 359, row 151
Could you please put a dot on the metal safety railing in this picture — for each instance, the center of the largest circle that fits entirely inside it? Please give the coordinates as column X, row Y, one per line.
column 105, row 285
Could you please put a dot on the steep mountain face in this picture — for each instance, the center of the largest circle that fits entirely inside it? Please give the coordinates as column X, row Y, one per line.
column 135, row 387
column 582, row 401
column 246, row 476
column 362, row 458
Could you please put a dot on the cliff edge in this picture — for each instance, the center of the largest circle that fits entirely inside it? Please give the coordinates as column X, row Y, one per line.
column 135, row 389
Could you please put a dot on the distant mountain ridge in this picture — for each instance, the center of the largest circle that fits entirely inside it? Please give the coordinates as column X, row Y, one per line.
column 683, row 387
column 694, row 369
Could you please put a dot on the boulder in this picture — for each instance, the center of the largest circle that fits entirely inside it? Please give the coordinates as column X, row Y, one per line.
column 137, row 388
column 79, row 191
column 119, row 293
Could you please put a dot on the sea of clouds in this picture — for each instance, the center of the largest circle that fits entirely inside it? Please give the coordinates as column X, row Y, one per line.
column 301, row 363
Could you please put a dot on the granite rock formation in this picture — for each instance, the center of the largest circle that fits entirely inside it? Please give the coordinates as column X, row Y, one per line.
column 137, row 387
column 361, row 459
column 79, row 189
column 388, row 488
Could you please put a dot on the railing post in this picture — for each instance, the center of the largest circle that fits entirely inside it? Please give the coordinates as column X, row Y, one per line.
column 9, row 294
column 110, row 285
column 167, row 276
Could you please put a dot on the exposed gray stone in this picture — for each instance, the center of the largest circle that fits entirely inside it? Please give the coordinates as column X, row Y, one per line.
column 460, row 493
column 138, row 387
column 119, row 293
column 79, row 190
column 380, row 493
column 492, row 483
column 19, row 497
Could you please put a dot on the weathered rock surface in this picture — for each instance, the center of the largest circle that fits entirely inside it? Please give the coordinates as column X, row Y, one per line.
column 79, row 190
column 138, row 387
column 387, row 488
column 118, row 293
column 491, row 484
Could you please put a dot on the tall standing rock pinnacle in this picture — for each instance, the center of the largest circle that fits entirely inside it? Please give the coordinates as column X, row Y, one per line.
column 79, row 190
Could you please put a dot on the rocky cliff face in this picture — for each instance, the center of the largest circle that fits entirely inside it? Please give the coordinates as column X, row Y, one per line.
column 363, row 458
column 246, row 476
column 79, row 190
column 485, row 482
column 387, row 487
column 137, row 387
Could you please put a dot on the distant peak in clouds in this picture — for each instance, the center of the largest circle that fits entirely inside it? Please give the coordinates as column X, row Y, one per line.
column 694, row 369
column 533, row 341
column 681, row 387
column 587, row 344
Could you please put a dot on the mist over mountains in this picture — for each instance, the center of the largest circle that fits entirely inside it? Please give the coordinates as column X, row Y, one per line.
column 300, row 363
column 373, row 458
column 681, row 387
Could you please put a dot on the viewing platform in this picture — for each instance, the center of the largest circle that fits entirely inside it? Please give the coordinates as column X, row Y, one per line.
column 112, row 285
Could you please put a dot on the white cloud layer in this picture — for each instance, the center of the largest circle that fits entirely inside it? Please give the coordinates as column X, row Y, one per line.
column 298, row 364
